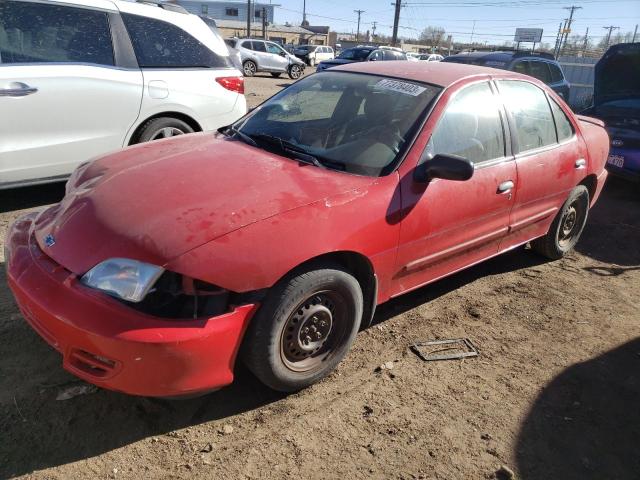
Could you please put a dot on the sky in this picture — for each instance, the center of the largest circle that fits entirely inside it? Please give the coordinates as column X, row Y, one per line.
column 495, row 20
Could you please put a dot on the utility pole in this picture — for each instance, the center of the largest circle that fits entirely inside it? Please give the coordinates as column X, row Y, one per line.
column 304, row 13
column 249, row 18
column 473, row 30
column 634, row 33
column 555, row 48
column 359, row 12
column 610, row 28
column 373, row 29
column 264, row 23
column 586, row 41
column 396, row 21
column 567, row 30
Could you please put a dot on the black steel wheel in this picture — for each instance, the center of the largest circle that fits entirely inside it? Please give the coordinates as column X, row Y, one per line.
column 304, row 328
column 567, row 227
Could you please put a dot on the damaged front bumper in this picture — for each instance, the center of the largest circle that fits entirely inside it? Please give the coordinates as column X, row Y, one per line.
column 112, row 345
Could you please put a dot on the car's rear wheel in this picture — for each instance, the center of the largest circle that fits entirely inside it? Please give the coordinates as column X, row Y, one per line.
column 249, row 68
column 162, row 127
column 312, row 62
column 276, row 74
column 295, row 72
column 304, row 329
column 567, row 227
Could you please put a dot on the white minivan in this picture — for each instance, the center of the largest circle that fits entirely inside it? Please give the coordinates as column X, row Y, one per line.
column 79, row 78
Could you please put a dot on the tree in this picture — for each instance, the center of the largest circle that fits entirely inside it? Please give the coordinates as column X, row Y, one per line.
column 433, row 35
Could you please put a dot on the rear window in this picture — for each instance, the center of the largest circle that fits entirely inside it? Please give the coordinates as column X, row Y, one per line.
column 159, row 44
column 45, row 33
column 540, row 70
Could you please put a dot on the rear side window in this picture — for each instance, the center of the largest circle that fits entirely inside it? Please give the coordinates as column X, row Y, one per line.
column 556, row 73
column 45, row 33
column 521, row 67
column 391, row 55
column 160, row 44
column 540, row 70
column 528, row 105
column 471, row 126
column 563, row 125
column 258, row 46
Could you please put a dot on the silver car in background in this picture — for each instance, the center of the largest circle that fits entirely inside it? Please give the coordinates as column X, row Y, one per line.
column 259, row 55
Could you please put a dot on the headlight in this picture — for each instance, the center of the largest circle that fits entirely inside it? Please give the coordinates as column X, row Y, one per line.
column 128, row 279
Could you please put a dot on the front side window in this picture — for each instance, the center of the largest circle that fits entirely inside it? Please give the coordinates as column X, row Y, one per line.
column 273, row 48
column 352, row 122
column 556, row 73
column 471, row 126
column 563, row 125
column 377, row 55
column 357, row 54
column 530, row 110
column 159, row 44
column 43, row 33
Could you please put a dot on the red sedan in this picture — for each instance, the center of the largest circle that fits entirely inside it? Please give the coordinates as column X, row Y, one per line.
column 277, row 237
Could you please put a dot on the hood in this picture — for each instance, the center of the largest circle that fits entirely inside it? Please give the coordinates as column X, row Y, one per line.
column 617, row 74
column 155, row 201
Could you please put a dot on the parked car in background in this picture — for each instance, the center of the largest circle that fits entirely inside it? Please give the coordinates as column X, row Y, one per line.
column 314, row 54
column 79, row 78
column 165, row 261
column 539, row 65
column 262, row 56
column 412, row 56
column 431, row 57
column 363, row 54
column 616, row 101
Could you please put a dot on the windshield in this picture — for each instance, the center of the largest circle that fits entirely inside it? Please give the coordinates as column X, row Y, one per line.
column 355, row 54
column 352, row 122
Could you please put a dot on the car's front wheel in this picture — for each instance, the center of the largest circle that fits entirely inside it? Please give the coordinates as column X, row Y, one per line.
column 295, row 72
column 162, row 127
column 304, row 328
column 567, row 227
column 249, row 68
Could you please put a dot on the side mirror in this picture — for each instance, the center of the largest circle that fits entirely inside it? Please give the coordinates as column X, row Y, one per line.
column 445, row 166
column 282, row 54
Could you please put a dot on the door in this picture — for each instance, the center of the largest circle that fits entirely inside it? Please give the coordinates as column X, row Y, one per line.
column 62, row 100
column 277, row 57
column 260, row 52
column 550, row 160
column 449, row 225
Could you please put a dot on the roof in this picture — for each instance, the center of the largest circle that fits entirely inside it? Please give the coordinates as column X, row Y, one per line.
column 242, row 25
column 502, row 56
column 435, row 73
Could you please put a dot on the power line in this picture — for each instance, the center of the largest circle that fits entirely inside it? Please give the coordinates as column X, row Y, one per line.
column 567, row 30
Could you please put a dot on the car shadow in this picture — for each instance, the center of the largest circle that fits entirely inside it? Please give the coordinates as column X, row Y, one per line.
column 613, row 228
column 28, row 197
column 586, row 423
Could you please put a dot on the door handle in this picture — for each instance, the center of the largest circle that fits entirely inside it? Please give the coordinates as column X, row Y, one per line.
column 580, row 163
column 506, row 187
column 17, row 89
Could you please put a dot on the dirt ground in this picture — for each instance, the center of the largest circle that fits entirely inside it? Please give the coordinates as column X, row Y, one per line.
column 554, row 393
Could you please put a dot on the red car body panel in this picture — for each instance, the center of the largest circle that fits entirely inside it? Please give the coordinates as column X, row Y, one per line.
column 241, row 218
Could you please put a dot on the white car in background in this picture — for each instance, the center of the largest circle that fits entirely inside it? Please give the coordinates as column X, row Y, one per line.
column 79, row 78
column 314, row 54
column 413, row 56
column 430, row 57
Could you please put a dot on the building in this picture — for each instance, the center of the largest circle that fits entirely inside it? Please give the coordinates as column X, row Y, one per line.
column 286, row 34
column 229, row 10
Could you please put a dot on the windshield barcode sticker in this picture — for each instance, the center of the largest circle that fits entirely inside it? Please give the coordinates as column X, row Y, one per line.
column 402, row 87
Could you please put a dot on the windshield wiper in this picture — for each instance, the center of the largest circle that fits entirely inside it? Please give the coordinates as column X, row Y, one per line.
column 291, row 148
column 232, row 131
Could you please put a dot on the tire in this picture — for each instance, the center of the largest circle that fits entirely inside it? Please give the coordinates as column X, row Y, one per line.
column 249, row 68
column 312, row 62
column 278, row 346
column 276, row 74
column 567, row 227
column 295, row 72
column 162, row 127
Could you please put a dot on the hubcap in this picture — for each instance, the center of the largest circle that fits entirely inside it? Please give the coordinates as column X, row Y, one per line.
column 313, row 331
column 249, row 69
column 166, row 133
